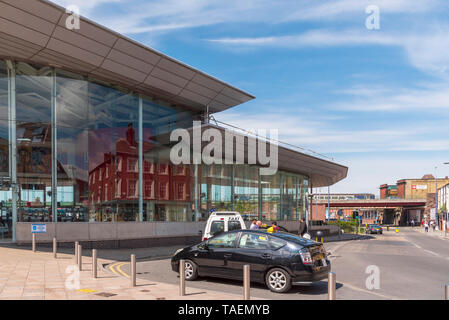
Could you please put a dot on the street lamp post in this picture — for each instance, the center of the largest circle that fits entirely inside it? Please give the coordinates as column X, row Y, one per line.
column 436, row 198
column 447, row 214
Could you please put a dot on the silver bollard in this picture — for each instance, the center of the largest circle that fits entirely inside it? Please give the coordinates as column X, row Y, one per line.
column 133, row 270
column 55, row 248
column 94, row 263
column 33, row 243
column 80, row 258
column 331, row 286
column 246, row 282
column 182, row 278
column 447, row 292
column 76, row 251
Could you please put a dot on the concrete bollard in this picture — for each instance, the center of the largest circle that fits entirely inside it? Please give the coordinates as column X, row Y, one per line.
column 94, row 263
column 33, row 242
column 133, row 270
column 55, row 248
column 182, row 278
column 76, row 251
column 331, row 286
column 246, row 282
column 80, row 258
column 447, row 292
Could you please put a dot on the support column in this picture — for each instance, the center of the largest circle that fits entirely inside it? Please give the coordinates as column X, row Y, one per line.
column 54, row 150
column 12, row 143
column 195, row 186
column 259, row 196
column 140, row 170
column 233, row 186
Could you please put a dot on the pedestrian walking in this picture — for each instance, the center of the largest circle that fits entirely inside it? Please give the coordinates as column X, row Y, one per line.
column 413, row 223
column 302, row 227
column 426, row 226
column 254, row 225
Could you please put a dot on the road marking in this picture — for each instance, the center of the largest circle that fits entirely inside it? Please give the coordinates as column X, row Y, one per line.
column 86, row 290
column 116, row 268
column 119, row 268
column 436, row 254
column 368, row 291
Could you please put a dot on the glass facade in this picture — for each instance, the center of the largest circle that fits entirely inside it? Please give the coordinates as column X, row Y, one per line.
column 241, row 188
column 84, row 140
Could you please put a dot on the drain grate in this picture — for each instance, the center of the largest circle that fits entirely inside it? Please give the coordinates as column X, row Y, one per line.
column 106, row 294
column 161, row 298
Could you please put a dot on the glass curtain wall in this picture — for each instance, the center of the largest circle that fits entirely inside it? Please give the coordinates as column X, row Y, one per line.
column 167, row 194
column 5, row 180
column 97, row 158
column 72, row 147
column 246, row 191
column 113, row 154
column 216, row 189
column 34, row 139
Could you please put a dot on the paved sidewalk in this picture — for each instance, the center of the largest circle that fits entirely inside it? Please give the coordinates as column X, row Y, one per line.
column 37, row 276
column 432, row 233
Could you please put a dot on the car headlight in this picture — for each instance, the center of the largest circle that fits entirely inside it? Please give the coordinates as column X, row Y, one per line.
column 178, row 251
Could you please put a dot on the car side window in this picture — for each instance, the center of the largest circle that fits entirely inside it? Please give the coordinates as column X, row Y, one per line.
column 254, row 241
column 276, row 243
column 223, row 241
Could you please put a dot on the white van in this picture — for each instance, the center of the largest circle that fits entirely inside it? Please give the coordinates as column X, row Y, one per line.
column 222, row 221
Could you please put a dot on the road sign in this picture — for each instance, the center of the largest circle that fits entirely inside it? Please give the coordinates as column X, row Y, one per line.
column 38, row 228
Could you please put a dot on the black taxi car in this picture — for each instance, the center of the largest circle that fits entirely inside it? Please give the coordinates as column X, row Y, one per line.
column 279, row 260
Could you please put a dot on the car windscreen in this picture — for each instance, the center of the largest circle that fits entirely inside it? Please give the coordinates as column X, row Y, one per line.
column 294, row 238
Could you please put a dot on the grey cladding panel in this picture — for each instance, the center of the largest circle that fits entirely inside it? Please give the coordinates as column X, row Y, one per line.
column 21, row 32
column 136, row 51
column 80, row 41
column 38, row 8
column 26, row 19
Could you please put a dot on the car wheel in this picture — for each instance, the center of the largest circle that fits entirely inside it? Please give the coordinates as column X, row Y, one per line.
column 191, row 270
column 278, row 280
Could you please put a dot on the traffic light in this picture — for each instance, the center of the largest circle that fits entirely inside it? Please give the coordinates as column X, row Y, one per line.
column 355, row 215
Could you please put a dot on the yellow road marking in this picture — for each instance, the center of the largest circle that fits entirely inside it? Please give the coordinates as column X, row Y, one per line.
column 116, row 268
column 86, row 290
column 119, row 268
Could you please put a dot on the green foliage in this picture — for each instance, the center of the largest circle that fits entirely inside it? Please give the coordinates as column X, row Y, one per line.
column 347, row 226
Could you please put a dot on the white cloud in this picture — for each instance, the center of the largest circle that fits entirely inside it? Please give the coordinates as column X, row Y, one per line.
column 332, row 137
column 434, row 98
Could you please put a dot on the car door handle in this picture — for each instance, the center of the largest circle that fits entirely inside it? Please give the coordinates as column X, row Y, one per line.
column 266, row 256
column 228, row 255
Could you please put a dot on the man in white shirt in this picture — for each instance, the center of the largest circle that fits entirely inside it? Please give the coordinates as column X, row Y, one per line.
column 254, row 225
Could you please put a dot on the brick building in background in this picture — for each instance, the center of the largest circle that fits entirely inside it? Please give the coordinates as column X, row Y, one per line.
column 412, row 188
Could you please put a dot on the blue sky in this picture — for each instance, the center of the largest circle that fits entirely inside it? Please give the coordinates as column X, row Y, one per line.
column 374, row 100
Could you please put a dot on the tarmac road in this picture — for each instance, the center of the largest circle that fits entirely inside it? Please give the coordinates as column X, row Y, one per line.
column 411, row 265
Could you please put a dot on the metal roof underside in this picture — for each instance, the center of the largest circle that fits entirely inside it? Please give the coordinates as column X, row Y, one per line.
column 34, row 31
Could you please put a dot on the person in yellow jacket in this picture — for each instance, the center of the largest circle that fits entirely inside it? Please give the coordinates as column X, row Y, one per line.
column 274, row 228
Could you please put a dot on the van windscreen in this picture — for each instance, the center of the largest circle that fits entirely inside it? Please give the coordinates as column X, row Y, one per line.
column 216, row 227
column 234, row 225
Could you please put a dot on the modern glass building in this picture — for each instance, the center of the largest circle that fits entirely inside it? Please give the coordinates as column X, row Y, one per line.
column 85, row 117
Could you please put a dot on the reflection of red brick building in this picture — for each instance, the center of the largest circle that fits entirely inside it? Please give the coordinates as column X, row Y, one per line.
column 116, row 178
